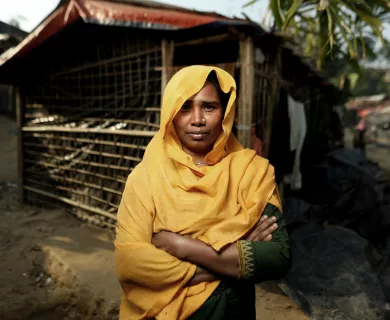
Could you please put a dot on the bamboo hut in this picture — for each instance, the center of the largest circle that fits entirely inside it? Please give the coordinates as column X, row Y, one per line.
column 89, row 81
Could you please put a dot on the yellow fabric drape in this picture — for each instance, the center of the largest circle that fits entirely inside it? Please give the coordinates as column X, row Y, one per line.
column 217, row 204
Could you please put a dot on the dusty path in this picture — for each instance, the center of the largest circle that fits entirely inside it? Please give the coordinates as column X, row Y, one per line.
column 27, row 291
column 53, row 267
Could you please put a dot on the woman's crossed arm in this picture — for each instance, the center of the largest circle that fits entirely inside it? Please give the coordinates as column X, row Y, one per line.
column 262, row 255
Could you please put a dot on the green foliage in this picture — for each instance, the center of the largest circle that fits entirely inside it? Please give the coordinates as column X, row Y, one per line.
column 332, row 29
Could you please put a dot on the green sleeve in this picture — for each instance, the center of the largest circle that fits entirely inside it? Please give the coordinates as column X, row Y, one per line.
column 263, row 261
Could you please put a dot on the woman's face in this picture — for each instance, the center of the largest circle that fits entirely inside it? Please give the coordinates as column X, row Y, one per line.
column 199, row 122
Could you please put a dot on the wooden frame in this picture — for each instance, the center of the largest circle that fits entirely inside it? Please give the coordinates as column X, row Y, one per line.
column 19, row 125
column 167, row 52
column 246, row 94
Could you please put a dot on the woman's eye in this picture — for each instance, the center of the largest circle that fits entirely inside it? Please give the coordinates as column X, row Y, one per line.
column 209, row 107
column 186, row 107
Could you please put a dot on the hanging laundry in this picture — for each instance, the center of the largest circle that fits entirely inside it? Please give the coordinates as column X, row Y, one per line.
column 298, row 127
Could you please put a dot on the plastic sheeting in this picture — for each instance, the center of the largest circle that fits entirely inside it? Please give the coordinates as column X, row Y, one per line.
column 340, row 231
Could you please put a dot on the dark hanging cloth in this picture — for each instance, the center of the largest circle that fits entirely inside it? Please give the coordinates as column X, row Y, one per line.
column 280, row 155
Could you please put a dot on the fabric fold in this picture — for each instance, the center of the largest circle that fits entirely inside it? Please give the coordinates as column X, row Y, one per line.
column 217, row 204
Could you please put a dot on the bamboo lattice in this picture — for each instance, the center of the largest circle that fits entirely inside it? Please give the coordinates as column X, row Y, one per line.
column 86, row 126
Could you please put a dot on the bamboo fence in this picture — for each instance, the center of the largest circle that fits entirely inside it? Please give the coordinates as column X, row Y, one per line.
column 86, row 125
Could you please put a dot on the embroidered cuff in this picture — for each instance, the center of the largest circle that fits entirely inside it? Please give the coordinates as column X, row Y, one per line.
column 245, row 259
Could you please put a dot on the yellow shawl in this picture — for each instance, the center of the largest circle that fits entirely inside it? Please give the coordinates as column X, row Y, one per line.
column 217, row 204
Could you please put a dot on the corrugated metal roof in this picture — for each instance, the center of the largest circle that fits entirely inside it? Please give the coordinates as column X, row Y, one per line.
column 137, row 13
column 149, row 16
column 165, row 6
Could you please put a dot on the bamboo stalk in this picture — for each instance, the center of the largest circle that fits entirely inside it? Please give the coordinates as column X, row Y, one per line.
column 107, row 61
column 88, row 163
column 104, row 154
column 113, row 205
column 85, row 184
column 246, row 97
column 211, row 39
column 274, row 98
column 167, row 53
column 59, row 167
column 72, row 203
column 97, row 141
column 135, row 133
column 19, row 124
column 149, row 109
column 144, row 123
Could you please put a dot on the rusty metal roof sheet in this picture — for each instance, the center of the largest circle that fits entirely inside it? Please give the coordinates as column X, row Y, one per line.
column 136, row 13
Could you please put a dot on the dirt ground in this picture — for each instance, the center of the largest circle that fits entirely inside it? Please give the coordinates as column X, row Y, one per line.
column 27, row 290
column 53, row 267
column 36, row 286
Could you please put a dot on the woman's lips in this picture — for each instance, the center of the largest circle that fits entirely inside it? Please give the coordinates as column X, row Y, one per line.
column 197, row 136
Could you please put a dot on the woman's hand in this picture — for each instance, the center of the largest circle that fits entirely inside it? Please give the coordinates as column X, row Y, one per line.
column 263, row 230
column 172, row 243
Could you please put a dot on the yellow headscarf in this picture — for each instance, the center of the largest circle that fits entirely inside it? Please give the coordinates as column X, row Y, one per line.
column 217, row 204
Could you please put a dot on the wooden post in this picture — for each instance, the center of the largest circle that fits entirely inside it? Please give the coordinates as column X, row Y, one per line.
column 246, row 94
column 10, row 109
column 19, row 125
column 272, row 104
column 167, row 51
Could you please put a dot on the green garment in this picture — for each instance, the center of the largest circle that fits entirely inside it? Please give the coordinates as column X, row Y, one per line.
column 235, row 299
column 230, row 301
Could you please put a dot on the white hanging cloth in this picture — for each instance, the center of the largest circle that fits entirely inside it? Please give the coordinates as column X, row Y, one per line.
column 298, row 128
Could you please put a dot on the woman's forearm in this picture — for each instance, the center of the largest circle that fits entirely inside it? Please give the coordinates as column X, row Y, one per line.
column 225, row 263
column 201, row 275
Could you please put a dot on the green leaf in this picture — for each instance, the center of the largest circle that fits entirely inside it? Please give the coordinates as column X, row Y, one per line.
column 277, row 13
column 353, row 79
column 345, row 36
column 249, row 3
column 363, row 43
column 330, row 27
column 355, row 65
column 291, row 12
column 323, row 5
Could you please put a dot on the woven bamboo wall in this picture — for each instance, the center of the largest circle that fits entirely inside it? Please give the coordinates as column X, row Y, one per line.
column 87, row 124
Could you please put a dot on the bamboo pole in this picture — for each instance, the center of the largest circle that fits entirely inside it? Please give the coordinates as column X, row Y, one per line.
column 143, row 123
column 211, row 39
column 99, row 153
column 19, row 125
column 86, row 184
column 167, row 51
column 106, row 61
column 81, row 171
column 88, row 163
column 70, row 190
column 272, row 107
column 97, row 141
column 72, row 203
column 135, row 133
column 246, row 94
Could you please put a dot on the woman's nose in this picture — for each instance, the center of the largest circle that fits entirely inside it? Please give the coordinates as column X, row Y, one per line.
column 197, row 116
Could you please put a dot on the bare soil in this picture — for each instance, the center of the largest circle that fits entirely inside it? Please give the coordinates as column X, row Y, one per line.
column 53, row 267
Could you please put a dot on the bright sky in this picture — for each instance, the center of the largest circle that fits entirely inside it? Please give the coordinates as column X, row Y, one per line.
column 35, row 11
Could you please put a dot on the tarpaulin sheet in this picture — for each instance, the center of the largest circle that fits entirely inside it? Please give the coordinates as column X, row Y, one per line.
column 340, row 267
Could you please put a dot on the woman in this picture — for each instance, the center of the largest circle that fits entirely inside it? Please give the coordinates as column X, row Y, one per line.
column 192, row 235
